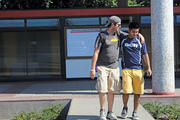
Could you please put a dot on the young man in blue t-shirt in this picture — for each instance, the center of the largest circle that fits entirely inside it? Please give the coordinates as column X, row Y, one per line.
column 132, row 68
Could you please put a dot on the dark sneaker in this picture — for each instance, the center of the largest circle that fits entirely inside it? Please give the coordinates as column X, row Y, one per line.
column 135, row 116
column 102, row 115
column 124, row 112
column 111, row 116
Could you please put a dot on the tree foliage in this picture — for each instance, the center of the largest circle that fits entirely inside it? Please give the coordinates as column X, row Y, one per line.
column 139, row 3
column 146, row 3
column 58, row 4
column 45, row 4
column 177, row 3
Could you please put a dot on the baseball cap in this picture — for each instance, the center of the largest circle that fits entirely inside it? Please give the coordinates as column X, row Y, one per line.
column 112, row 19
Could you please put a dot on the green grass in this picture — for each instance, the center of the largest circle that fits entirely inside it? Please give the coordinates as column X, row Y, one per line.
column 163, row 112
column 51, row 113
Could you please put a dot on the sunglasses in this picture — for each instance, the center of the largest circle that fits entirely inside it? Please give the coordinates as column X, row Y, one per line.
column 118, row 25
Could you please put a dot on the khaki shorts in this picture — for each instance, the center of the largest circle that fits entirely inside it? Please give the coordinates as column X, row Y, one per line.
column 108, row 80
column 133, row 80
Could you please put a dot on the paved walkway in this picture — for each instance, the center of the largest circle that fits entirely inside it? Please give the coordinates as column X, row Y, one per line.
column 88, row 109
column 78, row 90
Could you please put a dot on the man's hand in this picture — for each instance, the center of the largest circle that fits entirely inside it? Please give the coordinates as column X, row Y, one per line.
column 92, row 74
column 148, row 72
column 142, row 40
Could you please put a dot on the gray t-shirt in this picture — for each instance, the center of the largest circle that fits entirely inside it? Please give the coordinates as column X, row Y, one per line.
column 109, row 48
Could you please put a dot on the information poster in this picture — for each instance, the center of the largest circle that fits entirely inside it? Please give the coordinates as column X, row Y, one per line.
column 80, row 42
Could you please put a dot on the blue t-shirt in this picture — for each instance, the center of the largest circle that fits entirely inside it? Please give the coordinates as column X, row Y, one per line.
column 132, row 52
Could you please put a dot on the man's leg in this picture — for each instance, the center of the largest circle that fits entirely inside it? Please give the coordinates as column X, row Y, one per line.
column 102, row 100
column 101, row 87
column 110, row 101
column 124, row 112
column 111, row 115
column 125, row 99
column 127, row 89
column 127, row 85
column 136, row 102
column 113, row 87
column 138, row 85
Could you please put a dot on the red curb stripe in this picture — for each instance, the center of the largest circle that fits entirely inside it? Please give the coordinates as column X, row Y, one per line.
column 163, row 93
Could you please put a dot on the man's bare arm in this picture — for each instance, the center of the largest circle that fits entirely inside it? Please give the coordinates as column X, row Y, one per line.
column 147, row 62
column 93, row 65
column 142, row 39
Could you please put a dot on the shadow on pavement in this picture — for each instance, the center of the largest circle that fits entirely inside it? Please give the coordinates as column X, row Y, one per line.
column 59, row 87
column 80, row 117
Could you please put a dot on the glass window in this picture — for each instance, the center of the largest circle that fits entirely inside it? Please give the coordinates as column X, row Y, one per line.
column 104, row 20
column 177, row 48
column 11, row 23
column 30, row 53
column 178, row 18
column 145, row 19
column 80, row 42
column 82, row 21
column 43, row 53
column 83, row 65
column 125, row 29
column 42, row 22
column 12, row 54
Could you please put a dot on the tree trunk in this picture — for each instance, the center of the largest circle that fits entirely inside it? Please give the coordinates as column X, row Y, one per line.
column 122, row 3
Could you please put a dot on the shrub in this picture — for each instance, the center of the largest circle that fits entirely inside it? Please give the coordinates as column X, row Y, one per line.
column 46, row 114
column 163, row 112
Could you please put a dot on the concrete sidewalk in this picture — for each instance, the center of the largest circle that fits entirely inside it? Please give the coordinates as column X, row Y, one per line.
column 88, row 109
column 80, row 91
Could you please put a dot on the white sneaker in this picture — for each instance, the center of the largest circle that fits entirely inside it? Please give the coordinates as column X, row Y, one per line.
column 111, row 116
column 124, row 113
column 135, row 116
column 102, row 115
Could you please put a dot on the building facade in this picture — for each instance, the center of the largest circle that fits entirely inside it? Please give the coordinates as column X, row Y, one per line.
column 59, row 44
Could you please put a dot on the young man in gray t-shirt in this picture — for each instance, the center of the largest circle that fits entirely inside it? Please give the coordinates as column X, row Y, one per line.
column 106, row 55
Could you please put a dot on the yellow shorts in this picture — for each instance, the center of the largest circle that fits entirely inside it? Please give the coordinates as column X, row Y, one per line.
column 133, row 81
column 108, row 80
